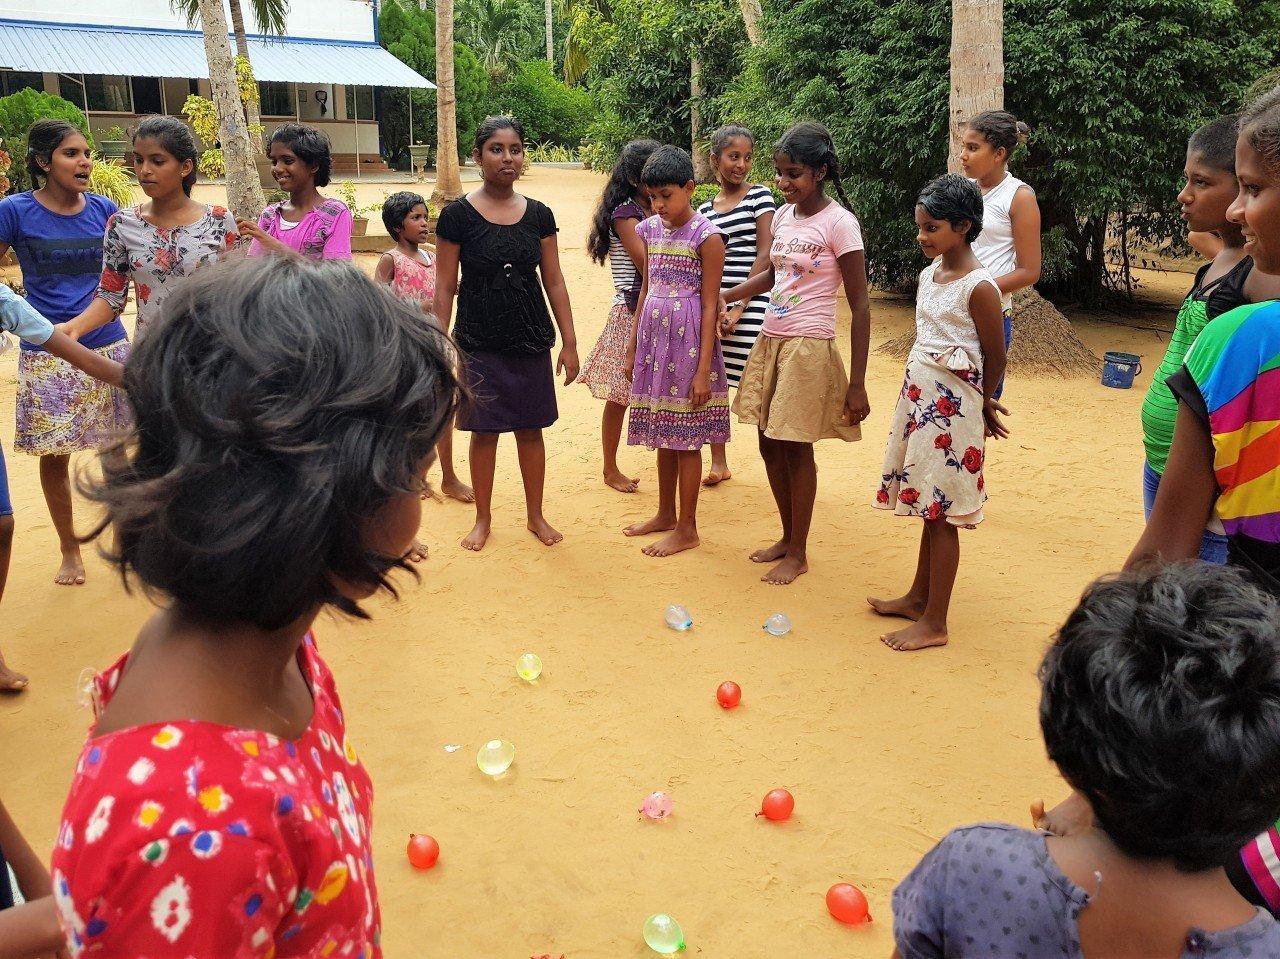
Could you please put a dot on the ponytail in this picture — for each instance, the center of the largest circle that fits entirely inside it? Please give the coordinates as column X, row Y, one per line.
column 1000, row 129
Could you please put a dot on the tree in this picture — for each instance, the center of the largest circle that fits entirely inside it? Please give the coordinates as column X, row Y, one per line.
column 551, row 38
column 751, row 17
column 448, row 174
column 977, row 65
column 244, row 191
column 501, row 32
column 271, row 17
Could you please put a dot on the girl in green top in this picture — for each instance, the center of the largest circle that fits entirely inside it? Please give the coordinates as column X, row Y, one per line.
column 1223, row 284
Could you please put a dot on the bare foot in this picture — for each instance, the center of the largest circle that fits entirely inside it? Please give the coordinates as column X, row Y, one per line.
column 677, row 542
column 915, row 636
column 717, row 475
column 478, row 536
column 659, row 524
column 11, row 682
column 616, row 479
column 547, row 533
column 456, row 489
column 786, row 571
column 770, row 554
column 905, row 607
column 417, row 552
column 71, row 572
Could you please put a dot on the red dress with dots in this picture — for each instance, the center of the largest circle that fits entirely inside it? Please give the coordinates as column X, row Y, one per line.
column 192, row 839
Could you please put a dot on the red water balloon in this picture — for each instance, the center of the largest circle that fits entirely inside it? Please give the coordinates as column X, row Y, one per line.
column 729, row 695
column 423, row 851
column 777, row 805
column 847, row 903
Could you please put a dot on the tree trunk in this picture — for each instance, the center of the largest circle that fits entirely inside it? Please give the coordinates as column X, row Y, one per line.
column 448, row 176
column 698, row 146
column 551, row 41
column 751, row 17
column 252, row 109
column 977, row 65
column 244, row 192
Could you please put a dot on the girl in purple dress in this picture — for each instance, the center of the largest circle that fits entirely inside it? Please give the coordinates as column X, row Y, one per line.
column 679, row 393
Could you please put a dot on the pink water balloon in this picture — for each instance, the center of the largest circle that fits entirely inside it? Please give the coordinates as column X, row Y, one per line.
column 657, row 806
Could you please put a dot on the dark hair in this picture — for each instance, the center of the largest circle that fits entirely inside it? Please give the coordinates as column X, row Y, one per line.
column 1001, row 129
column 175, row 136
column 44, row 137
column 491, row 125
column 667, row 166
column 396, row 207
column 280, row 405
column 309, row 145
column 727, row 134
column 620, row 188
column 1260, row 125
column 1161, row 704
column 810, row 144
column 955, row 199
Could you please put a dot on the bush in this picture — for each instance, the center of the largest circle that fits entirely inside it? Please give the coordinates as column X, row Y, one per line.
column 550, row 111
column 18, row 111
column 703, row 193
column 111, row 179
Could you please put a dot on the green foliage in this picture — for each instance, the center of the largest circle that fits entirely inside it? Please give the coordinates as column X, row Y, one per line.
column 550, row 153
column 18, row 111
column 115, row 133
column 704, row 192
column 271, row 15
column 550, row 111
column 112, row 180
column 501, row 32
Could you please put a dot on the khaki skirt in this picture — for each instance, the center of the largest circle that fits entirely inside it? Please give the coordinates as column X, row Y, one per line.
column 793, row 389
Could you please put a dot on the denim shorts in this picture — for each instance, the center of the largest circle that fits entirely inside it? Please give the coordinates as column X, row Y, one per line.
column 1213, row 548
column 1008, row 341
column 6, row 506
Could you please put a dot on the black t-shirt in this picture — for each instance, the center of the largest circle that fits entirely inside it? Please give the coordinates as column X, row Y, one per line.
column 1226, row 292
column 501, row 307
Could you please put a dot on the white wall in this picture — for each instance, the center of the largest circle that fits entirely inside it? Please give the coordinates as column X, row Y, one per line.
column 321, row 19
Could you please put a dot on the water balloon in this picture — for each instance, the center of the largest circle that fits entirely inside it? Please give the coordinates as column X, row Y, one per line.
column 529, row 667
column 663, row 934
column 678, row 618
column 779, row 624
column 657, row 806
column 847, row 903
column 777, row 805
column 423, row 851
column 495, row 757
column 729, row 695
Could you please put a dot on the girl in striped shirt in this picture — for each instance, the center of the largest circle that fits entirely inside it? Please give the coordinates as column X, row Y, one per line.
column 744, row 211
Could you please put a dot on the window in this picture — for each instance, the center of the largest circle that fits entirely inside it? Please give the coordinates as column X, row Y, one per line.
column 15, row 80
column 146, row 95
column 277, row 99
column 362, row 98
column 101, row 94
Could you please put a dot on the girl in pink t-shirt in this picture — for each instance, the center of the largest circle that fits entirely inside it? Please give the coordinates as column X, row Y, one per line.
column 794, row 387
column 307, row 224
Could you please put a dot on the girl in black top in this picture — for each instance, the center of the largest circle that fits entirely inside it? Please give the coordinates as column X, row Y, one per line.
column 503, row 330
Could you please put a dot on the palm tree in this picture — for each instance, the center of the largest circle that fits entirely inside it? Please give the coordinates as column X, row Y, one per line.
column 271, row 17
column 497, row 30
column 581, row 15
column 551, row 44
column 244, row 192
column 448, row 176
column 977, row 65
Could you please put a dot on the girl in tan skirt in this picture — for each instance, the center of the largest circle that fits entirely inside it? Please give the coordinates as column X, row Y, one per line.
column 794, row 387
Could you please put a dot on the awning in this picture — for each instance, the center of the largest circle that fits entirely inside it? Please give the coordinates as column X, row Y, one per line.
column 57, row 48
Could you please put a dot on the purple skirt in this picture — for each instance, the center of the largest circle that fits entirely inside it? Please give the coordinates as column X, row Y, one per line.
column 510, row 391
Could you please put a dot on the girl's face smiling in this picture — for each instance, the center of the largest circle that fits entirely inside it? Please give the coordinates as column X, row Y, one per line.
column 797, row 182
column 936, row 237
column 71, row 164
column 158, row 171
column 501, row 158
column 292, row 174
column 733, row 163
column 978, row 157
column 414, row 228
column 1206, row 196
column 1257, row 207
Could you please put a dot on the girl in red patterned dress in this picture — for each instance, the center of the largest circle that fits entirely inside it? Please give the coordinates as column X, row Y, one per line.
column 286, row 416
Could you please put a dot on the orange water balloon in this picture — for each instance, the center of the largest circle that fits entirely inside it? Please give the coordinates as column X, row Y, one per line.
column 423, row 851
column 777, row 805
column 847, row 903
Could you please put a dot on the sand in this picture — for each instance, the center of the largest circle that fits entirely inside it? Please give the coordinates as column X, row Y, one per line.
column 883, row 751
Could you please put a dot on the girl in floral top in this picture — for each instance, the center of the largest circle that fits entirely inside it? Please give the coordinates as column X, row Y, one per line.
column 155, row 245
column 286, row 416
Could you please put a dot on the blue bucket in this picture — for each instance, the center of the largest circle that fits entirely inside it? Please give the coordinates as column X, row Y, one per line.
column 1119, row 369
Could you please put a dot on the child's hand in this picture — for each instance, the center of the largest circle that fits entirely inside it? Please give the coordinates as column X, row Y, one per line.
column 68, row 330
column 700, row 390
column 1070, row 817
column 857, row 405
column 115, row 375
column 730, row 319
column 568, row 364
column 250, row 229
column 991, row 411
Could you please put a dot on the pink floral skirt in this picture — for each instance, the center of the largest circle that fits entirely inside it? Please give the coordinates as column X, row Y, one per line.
column 61, row 410
column 933, row 462
column 604, row 372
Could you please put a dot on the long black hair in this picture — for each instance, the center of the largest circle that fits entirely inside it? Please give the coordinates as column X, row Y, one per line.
column 175, row 136
column 44, row 137
column 809, row 143
column 620, row 188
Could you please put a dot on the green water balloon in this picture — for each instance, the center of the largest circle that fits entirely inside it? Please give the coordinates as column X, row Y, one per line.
column 663, row 934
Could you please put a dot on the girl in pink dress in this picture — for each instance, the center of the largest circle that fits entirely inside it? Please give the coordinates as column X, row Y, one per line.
column 410, row 271
column 286, row 416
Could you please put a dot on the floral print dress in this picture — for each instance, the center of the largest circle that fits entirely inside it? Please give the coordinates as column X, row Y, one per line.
column 189, row 838
column 937, row 441
column 155, row 259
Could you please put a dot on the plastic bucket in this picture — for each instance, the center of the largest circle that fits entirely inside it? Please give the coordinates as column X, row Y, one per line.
column 1119, row 369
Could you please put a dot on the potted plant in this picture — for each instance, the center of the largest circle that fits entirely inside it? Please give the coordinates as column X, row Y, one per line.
column 114, row 143
column 347, row 194
column 420, row 158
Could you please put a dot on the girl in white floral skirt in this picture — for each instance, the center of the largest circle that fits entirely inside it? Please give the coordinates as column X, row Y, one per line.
column 933, row 463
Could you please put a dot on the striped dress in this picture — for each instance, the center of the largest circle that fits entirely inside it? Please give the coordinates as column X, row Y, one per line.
column 739, row 227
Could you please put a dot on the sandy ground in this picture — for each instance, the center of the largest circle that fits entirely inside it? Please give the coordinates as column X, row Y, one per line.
column 883, row 751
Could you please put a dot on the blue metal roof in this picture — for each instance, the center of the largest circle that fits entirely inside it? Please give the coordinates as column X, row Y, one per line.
column 59, row 48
